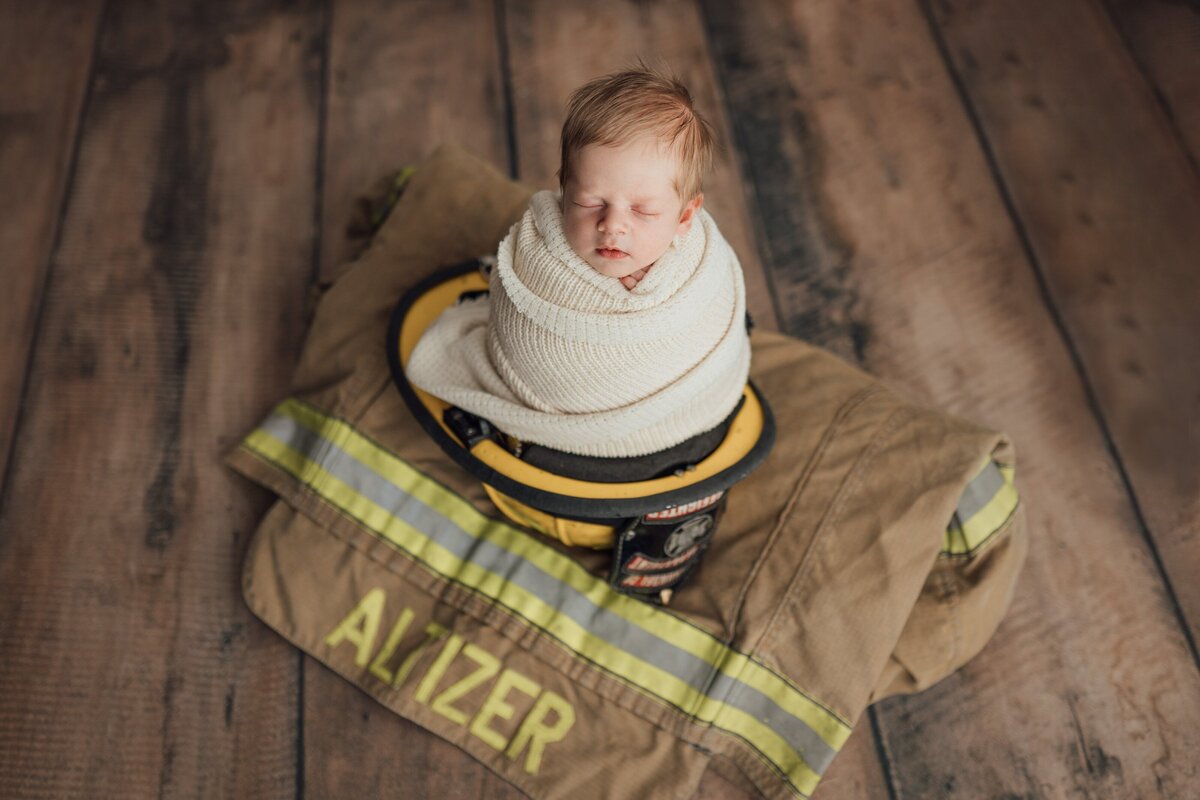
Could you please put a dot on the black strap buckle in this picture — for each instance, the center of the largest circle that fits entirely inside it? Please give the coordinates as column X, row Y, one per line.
column 470, row 429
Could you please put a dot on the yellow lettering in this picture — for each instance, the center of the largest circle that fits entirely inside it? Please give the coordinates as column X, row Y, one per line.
column 438, row 668
column 433, row 631
column 379, row 665
column 360, row 626
column 537, row 734
column 495, row 706
column 489, row 665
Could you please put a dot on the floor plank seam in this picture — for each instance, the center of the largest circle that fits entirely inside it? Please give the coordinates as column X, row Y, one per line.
column 42, row 291
column 300, row 661
column 745, row 168
column 500, row 10
column 1160, row 100
column 881, row 749
column 322, row 110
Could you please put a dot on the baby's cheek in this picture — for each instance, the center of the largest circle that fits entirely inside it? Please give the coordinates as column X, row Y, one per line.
column 579, row 242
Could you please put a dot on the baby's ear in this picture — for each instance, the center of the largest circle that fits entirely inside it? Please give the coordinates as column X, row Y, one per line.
column 689, row 213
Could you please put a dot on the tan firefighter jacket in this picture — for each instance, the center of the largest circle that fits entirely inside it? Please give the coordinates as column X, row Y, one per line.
column 873, row 553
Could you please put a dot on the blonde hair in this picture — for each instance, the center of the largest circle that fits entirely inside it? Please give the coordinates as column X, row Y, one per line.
column 617, row 108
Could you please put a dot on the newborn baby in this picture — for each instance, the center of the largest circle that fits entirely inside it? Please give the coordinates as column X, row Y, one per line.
column 614, row 324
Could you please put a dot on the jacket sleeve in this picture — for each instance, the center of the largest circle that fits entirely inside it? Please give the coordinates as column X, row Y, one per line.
column 970, row 586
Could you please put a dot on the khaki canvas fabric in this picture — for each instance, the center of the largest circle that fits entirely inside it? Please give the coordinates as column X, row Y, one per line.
column 826, row 588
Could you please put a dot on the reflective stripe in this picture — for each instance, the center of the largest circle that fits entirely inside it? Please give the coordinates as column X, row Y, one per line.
column 987, row 503
column 642, row 645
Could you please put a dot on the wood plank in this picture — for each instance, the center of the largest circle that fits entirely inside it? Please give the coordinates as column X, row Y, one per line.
column 404, row 78
column 131, row 666
column 1164, row 38
column 554, row 50
column 49, row 45
column 869, row 175
column 1115, row 233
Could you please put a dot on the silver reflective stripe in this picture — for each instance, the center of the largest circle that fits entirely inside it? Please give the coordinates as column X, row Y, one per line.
column 980, row 491
column 565, row 599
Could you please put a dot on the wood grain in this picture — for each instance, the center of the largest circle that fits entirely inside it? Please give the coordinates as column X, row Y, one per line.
column 131, row 666
column 49, row 45
column 404, row 78
column 1111, row 209
column 1164, row 38
column 174, row 308
column 891, row 243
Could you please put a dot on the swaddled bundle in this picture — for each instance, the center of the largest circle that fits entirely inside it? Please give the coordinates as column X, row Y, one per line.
column 562, row 356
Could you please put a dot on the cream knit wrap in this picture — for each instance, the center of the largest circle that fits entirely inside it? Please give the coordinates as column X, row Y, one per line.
column 560, row 355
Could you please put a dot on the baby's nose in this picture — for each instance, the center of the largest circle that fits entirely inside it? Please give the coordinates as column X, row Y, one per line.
column 613, row 221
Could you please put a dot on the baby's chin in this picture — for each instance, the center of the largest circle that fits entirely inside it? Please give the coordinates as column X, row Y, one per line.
column 613, row 269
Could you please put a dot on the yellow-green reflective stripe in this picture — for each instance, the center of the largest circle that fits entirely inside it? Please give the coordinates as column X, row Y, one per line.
column 634, row 671
column 661, row 625
column 767, row 741
column 734, row 692
column 987, row 503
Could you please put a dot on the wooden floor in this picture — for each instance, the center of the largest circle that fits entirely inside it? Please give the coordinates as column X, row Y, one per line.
column 993, row 205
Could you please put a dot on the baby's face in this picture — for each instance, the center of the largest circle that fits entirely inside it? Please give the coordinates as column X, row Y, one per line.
column 620, row 207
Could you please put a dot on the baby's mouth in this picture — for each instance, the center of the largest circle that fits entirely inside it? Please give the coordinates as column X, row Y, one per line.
column 611, row 253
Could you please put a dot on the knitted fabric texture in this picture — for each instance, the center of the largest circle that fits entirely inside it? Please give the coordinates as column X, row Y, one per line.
column 560, row 355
